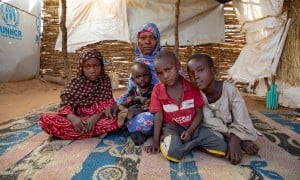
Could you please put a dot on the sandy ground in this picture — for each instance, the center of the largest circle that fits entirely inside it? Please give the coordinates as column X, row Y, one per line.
column 23, row 97
column 19, row 98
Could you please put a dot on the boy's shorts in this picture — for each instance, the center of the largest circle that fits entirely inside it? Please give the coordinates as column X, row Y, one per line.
column 174, row 149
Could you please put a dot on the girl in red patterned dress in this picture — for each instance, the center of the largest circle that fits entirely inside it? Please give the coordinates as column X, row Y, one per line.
column 87, row 105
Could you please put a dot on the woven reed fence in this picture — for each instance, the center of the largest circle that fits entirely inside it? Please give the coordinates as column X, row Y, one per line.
column 120, row 55
column 289, row 64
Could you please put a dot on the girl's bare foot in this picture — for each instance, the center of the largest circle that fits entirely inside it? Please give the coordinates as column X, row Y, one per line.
column 101, row 136
column 249, row 147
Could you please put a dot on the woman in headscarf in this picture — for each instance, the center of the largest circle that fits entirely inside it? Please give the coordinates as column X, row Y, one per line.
column 146, row 47
column 86, row 101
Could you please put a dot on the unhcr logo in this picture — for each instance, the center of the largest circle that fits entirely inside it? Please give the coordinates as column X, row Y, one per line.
column 11, row 18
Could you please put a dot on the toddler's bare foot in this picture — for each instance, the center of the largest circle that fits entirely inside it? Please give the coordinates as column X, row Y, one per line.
column 133, row 112
column 122, row 117
column 249, row 147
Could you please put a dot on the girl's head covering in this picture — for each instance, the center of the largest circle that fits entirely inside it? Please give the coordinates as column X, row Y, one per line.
column 82, row 92
column 148, row 27
column 86, row 54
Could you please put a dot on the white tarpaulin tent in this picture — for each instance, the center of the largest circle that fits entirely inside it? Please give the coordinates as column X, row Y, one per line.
column 90, row 21
column 264, row 24
column 200, row 22
column 19, row 39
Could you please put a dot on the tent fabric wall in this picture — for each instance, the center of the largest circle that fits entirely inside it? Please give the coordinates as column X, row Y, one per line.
column 91, row 21
column 252, row 10
column 20, row 40
column 32, row 7
column 264, row 23
column 200, row 22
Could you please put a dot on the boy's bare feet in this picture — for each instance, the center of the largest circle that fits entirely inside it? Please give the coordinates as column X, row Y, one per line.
column 122, row 117
column 234, row 152
column 249, row 147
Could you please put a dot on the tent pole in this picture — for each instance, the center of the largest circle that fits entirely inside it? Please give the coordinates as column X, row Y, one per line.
column 177, row 12
column 64, row 33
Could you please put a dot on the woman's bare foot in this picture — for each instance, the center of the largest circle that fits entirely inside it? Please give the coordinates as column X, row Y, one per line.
column 122, row 117
column 249, row 147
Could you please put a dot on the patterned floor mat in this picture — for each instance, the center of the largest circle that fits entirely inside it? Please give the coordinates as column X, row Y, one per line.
column 26, row 152
column 285, row 119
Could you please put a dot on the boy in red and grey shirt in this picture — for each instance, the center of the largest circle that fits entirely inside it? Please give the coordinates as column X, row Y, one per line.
column 178, row 114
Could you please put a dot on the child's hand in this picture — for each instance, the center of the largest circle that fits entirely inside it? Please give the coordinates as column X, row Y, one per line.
column 151, row 149
column 145, row 108
column 185, row 136
column 142, row 99
column 146, row 105
column 77, row 123
column 111, row 111
column 90, row 124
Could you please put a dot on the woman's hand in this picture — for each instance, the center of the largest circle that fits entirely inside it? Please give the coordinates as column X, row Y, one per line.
column 185, row 136
column 77, row 123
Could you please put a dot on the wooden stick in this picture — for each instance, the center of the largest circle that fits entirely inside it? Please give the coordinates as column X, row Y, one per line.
column 177, row 12
column 64, row 33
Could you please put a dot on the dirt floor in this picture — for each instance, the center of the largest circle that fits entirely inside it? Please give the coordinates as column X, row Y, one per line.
column 23, row 97
column 19, row 98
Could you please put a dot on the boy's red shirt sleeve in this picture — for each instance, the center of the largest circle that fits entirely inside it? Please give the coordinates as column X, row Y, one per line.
column 155, row 104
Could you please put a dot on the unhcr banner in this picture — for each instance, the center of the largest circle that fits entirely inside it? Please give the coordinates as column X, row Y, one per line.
column 19, row 40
